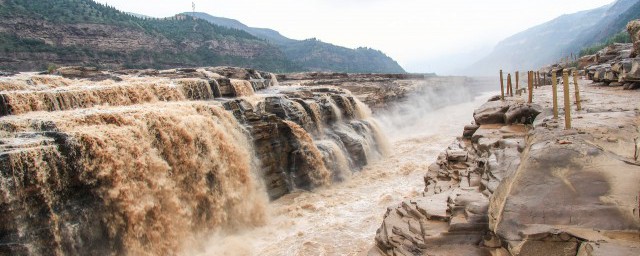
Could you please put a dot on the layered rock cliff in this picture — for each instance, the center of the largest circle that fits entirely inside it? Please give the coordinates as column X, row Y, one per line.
column 147, row 161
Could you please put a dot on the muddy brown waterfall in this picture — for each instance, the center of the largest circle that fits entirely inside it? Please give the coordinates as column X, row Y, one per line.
column 144, row 178
column 153, row 162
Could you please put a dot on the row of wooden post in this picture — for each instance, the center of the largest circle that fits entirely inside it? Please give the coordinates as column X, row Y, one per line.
column 534, row 81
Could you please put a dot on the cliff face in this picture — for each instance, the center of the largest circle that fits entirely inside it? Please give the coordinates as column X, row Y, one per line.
column 97, row 162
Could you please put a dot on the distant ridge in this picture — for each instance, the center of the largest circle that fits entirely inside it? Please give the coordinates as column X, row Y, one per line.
column 36, row 35
column 313, row 54
column 560, row 37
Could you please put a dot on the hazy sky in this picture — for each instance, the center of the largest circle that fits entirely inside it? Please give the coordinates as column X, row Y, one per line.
column 422, row 35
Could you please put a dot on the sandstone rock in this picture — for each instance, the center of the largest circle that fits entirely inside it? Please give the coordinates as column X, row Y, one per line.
column 469, row 130
column 522, row 113
column 90, row 73
column 587, row 60
column 492, row 112
column 451, row 217
column 575, row 182
column 633, row 27
column 495, row 98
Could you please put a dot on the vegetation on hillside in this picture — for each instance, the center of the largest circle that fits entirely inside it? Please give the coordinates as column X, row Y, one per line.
column 177, row 29
column 315, row 55
column 622, row 37
column 619, row 24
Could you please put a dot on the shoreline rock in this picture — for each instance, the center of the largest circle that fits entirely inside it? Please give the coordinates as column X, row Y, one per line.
column 535, row 189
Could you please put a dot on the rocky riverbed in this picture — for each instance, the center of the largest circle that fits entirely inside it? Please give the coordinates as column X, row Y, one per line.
column 518, row 183
column 157, row 161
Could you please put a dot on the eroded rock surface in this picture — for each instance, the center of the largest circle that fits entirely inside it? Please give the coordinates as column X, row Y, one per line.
column 529, row 190
column 450, row 218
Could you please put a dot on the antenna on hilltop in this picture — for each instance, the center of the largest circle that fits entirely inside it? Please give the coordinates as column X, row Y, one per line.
column 193, row 6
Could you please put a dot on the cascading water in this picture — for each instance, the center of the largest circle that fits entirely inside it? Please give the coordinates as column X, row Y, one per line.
column 242, row 87
column 142, row 166
column 162, row 175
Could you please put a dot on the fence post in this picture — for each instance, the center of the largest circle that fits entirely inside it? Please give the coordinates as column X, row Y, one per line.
column 509, row 85
column 517, row 80
column 567, row 102
column 554, row 87
column 577, row 88
column 501, row 86
column 530, row 85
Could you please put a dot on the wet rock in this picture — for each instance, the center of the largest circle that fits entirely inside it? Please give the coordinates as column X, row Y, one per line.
column 90, row 73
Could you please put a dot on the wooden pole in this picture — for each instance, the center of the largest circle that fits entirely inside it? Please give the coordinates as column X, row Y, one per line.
column 530, row 85
column 567, row 102
column 577, row 88
column 544, row 78
column 517, row 80
column 554, row 87
column 501, row 86
column 509, row 85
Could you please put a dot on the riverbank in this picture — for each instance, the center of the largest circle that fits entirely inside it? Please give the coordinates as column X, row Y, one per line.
column 529, row 189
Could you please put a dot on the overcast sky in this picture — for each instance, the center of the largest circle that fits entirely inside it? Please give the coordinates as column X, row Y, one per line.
column 422, row 35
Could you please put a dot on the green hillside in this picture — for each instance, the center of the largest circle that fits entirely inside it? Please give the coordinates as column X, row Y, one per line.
column 57, row 32
column 313, row 54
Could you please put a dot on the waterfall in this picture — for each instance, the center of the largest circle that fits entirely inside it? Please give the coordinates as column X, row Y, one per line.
column 308, row 151
column 150, row 162
column 242, row 87
column 162, row 174
column 81, row 95
column 335, row 157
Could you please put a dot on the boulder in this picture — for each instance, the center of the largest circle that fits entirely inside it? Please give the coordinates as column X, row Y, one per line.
column 633, row 27
column 491, row 112
column 631, row 70
column 586, row 60
column 522, row 113
column 469, row 130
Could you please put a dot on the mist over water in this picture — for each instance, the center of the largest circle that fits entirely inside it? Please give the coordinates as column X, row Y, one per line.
column 341, row 219
column 421, row 113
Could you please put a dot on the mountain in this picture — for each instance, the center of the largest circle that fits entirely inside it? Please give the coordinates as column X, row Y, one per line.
column 36, row 34
column 264, row 33
column 315, row 55
column 560, row 37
